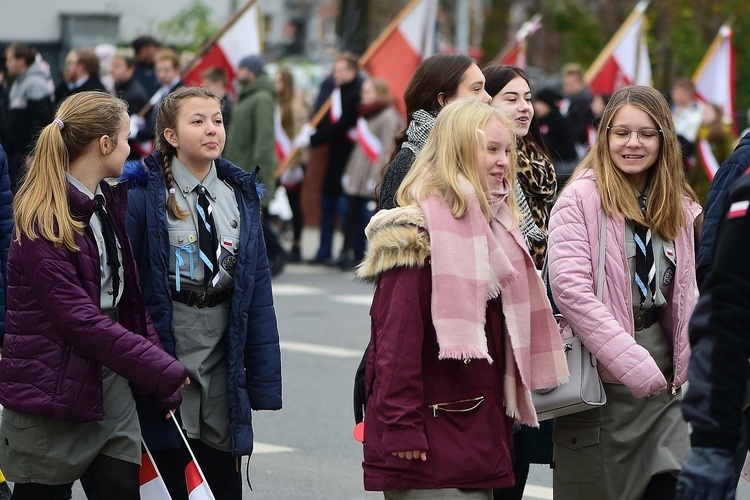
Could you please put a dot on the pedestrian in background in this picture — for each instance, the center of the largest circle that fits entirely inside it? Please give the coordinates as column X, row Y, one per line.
column 438, row 80
column 634, row 446
column 145, row 48
column 194, row 222
column 74, row 302
column 293, row 112
column 446, row 369
column 377, row 124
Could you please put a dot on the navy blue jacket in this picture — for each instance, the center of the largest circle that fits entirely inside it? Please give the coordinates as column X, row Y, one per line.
column 720, row 332
column 253, row 355
column 6, row 230
column 731, row 170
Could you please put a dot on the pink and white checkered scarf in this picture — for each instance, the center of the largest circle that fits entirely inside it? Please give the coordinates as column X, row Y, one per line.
column 473, row 262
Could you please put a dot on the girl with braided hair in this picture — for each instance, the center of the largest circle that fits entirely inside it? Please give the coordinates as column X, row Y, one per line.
column 194, row 219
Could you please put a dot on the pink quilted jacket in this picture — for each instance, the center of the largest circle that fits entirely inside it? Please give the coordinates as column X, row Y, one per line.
column 606, row 327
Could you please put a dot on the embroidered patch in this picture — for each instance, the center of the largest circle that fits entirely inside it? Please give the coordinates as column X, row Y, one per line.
column 738, row 209
column 668, row 276
column 229, row 262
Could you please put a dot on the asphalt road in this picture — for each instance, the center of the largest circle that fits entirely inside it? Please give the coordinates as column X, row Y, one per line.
column 306, row 450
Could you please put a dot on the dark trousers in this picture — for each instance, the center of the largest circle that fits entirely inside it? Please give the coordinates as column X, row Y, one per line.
column 330, row 207
column 220, row 468
column 298, row 220
column 357, row 217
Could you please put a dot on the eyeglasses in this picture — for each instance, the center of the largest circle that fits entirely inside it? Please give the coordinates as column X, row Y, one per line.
column 646, row 136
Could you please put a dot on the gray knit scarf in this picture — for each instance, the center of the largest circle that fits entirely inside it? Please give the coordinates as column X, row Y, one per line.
column 419, row 129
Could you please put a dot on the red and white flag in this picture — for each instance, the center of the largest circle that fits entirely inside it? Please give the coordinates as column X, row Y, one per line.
column 197, row 486
column 337, row 108
column 152, row 484
column 369, row 142
column 396, row 53
column 240, row 37
column 624, row 60
column 283, row 143
column 715, row 82
column 514, row 54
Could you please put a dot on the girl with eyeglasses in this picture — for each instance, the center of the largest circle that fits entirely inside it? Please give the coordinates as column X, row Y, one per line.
column 632, row 447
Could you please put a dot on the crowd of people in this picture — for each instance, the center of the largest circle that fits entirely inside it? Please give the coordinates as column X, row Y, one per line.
column 137, row 256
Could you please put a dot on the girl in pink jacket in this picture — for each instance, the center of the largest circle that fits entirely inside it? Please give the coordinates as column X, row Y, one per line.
column 634, row 446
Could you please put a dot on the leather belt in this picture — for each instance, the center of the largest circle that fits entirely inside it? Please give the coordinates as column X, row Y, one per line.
column 200, row 299
column 644, row 319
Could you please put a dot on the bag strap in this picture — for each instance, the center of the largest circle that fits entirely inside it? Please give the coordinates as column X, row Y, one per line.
column 602, row 256
column 600, row 265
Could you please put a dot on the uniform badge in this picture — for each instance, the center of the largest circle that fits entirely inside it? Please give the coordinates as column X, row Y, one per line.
column 738, row 209
column 668, row 277
column 229, row 262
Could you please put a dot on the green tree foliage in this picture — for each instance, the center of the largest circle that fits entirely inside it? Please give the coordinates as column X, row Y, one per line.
column 189, row 28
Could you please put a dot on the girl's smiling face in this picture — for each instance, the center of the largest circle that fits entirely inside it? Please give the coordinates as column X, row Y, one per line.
column 633, row 158
column 515, row 100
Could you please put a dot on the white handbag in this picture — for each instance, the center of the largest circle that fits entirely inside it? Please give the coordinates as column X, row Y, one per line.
column 584, row 390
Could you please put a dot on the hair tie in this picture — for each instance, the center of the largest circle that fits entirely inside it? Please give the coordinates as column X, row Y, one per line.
column 59, row 123
column 171, row 191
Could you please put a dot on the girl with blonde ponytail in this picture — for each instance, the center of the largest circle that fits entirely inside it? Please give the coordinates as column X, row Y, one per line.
column 194, row 220
column 78, row 340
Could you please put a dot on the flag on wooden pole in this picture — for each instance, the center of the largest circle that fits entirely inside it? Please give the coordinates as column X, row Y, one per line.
column 514, row 54
column 715, row 82
column 624, row 60
column 197, row 486
column 241, row 36
column 396, row 53
column 393, row 56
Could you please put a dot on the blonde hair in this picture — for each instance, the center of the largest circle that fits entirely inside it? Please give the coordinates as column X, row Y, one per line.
column 666, row 177
column 166, row 117
column 450, row 151
column 41, row 206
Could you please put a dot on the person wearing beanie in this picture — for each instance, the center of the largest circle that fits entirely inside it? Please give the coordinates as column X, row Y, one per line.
column 250, row 140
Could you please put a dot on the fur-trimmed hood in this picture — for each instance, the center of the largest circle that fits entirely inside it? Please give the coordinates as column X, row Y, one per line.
column 395, row 238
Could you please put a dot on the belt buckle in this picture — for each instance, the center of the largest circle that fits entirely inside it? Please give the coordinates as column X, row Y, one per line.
column 202, row 300
column 640, row 321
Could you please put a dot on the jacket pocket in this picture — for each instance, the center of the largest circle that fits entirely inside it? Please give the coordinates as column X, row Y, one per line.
column 23, row 434
column 467, row 440
column 576, row 454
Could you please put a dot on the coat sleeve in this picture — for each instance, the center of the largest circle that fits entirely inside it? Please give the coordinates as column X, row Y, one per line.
column 399, row 328
column 571, row 281
column 56, row 284
column 264, row 149
column 720, row 336
column 262, row 351
column 6, row 232
column 730, row 171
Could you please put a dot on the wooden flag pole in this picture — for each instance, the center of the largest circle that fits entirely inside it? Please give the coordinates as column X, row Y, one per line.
column 363, row 60
column 596, row 66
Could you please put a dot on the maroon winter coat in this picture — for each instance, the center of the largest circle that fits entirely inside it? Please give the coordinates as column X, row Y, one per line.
column 56, row 338
column 468, row 442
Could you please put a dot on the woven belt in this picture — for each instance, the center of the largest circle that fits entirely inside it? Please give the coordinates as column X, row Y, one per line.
column 644, row 319
column 200, row 299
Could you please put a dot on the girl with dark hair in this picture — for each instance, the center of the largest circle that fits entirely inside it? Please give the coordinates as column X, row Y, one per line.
column 79, row 343
column 535, row 185
column 194, row 220
column 437, row 81
column 535, row 188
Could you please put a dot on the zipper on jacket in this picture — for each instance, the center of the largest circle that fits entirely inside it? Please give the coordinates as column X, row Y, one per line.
column 446, row 406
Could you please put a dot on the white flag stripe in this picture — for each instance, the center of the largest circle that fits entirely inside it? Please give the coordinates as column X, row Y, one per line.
column 714, row 78
column 420, row 35
column 236, row 43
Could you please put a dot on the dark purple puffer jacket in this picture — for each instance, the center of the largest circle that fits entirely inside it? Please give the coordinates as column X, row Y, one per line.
column 56, row 338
